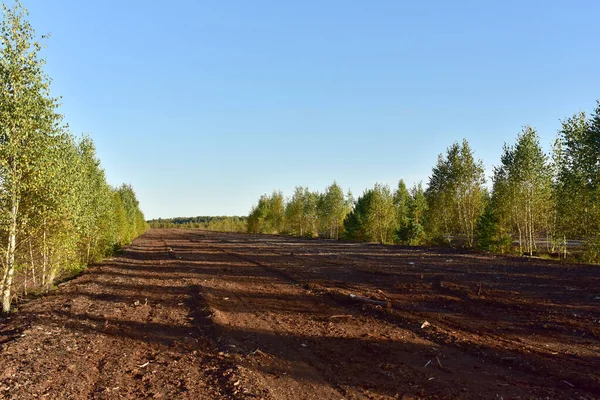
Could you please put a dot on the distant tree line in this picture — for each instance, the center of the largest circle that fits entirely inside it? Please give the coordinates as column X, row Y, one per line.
column 306, row 213
column 219, row 224
column 57, row 212
column 536, row 201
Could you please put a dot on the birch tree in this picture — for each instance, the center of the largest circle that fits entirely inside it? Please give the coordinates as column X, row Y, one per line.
column 332, row 210
column 93, row 204
column 373, row 217
column 294, row 212
column 268, row 216
column 28, row 118
column 578, row 180
column 455, row 195
column 522, row 190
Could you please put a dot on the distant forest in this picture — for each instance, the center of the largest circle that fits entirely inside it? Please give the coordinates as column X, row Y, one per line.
column 219, row 224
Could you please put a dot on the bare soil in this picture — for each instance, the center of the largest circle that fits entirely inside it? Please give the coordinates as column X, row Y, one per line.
column 186, row 314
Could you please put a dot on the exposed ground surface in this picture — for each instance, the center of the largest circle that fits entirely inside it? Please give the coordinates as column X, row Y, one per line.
column 198, row 315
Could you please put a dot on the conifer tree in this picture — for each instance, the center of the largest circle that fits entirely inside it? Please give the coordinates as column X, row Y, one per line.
column 402, row 203
column 413, row 231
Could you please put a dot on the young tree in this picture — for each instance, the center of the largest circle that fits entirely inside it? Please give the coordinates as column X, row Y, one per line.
column 301, row 212
column 135, row 219
column 418, row 204
column 554, row 240
column 28, row 119
column 119, row 224
column 294, row 212
column 355, row 224
column 402, row 201
column 373, row 217
column 413, row 231
column 311, row 219
column 94, row 204
column 455, row 195
column 275, row 218
column 268, row 216
column 332, row 210
column 57, row 214
column 382, row 215
column 522, row 190
column 578, row 181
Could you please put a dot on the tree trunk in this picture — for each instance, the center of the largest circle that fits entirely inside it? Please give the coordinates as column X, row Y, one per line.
column 32, row 261
column 10, row 259
column 460, row 216
column 532, row 246
column 520, row 239
column 44, row 257
column 527, row 244
column 88, row 250
column 4, row 271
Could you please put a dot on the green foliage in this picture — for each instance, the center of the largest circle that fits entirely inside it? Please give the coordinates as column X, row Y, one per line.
column 577, row 184
column 120, row 229
column 332, row 208
column 135, row 223
column 455, row 195
column 522, row 190
column 306, row 213
column 301, row 212
column 268, row 216
column 355, row 224
column 413, row 207
column 402, row 201
column 373, row 217
column 217, row 224
column 591, row 251
column 28, row 122
column 534, row 199
column 57, row 213
column 490, row 236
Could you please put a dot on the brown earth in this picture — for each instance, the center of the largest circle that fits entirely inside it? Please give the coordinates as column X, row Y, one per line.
column 200, row 315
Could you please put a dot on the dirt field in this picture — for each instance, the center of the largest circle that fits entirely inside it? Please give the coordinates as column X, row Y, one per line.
column 199, row 315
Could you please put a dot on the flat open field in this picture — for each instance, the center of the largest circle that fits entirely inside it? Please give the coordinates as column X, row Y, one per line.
column 200, row 315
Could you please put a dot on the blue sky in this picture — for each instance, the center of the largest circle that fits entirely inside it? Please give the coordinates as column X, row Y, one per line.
column 203, row 106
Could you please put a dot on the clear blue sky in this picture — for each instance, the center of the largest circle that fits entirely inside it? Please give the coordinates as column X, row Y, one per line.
column 203, row 106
